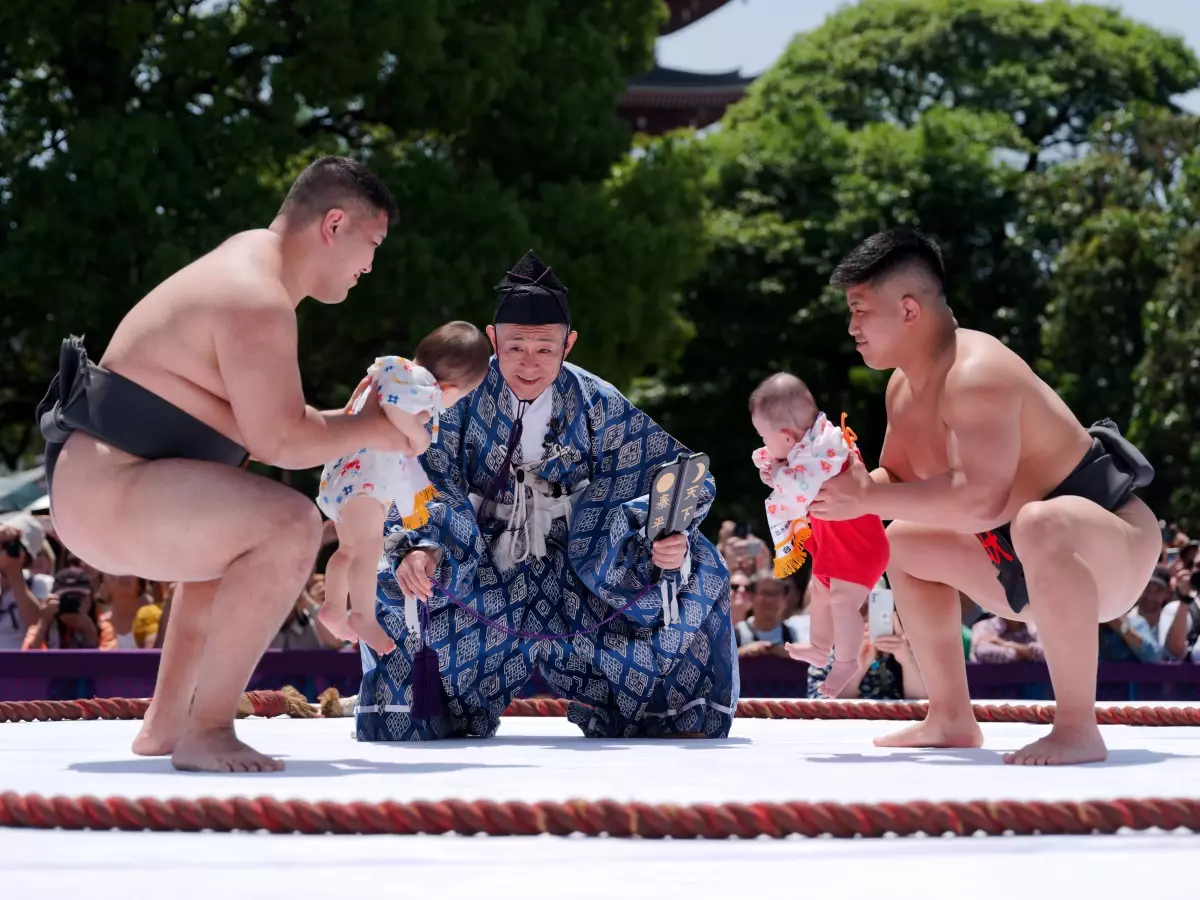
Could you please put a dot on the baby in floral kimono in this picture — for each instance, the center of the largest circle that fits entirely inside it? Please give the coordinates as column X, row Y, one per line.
column 357, row 490
column 804, row 450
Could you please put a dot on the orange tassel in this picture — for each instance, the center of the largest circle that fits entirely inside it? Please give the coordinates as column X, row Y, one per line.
column 420, row 514
column 847, row 432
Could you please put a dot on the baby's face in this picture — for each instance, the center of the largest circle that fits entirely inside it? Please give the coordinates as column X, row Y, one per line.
column 779, row 441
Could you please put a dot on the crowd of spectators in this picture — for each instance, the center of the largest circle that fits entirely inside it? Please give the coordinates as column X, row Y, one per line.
column 49, row 599
column 1163, row 626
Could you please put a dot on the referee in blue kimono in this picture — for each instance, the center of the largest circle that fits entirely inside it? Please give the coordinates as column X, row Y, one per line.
column 536, row 558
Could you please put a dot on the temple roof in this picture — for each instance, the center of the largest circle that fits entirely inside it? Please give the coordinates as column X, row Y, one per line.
column 685, row 12
column 662, row 87
column 660, row 78
column 664, row 98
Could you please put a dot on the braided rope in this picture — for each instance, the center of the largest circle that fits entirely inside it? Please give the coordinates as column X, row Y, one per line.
column 289, row 702
column 601, row 818
column 604, row 817
column 253, row 703
column 887, row 711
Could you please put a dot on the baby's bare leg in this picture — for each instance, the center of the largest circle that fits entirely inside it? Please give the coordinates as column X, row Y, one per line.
column 334, row 610
column 360, row 532
column 846, row 603
column 820, row 634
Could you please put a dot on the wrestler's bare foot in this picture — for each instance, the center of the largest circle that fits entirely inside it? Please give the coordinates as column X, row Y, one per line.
column 839, row 676
column 814, row 656
column 219, row 750
column 1066, row 746
column 935, row 732
column 150, row 742
column 160, row 732
column 370, row 632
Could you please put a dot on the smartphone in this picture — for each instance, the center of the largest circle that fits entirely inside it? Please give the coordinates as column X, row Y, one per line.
column 1172, row 555
column 880, row 607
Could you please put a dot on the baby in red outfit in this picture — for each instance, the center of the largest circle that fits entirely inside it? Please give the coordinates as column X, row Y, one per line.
column 803, row 450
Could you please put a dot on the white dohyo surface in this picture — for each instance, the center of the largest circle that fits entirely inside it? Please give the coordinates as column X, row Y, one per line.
column 535, row 759
column 47, row 865
column 546, row 759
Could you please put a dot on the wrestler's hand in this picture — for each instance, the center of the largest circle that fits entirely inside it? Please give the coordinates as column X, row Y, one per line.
column 668, row 552
column 362, row 386
column 415, row 573
column 844, row 496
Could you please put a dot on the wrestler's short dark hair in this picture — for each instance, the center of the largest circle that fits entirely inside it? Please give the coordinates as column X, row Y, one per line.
column 457, row 353
column 337, row 182
column 884, row 253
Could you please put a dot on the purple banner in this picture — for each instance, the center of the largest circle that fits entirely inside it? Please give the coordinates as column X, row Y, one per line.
column 70, row 674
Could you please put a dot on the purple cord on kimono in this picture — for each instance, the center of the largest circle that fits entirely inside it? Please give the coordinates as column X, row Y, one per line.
column 513, row 442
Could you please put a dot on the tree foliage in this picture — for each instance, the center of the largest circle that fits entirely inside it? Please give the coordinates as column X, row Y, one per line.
column 1038, row 143
column 135, row 136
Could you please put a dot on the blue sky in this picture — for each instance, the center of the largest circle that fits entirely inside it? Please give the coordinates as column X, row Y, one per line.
column 750, row 34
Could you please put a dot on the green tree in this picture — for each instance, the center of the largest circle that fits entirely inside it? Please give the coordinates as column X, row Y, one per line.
column 1108, row 222
column 792, row 196
column 136, row 136
column 1166, row 382
column 964, row 118
column 1051, row 67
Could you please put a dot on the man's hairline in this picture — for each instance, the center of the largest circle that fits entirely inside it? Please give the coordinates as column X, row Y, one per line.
column 876, row 283
column 533, row 339
column 358, row 209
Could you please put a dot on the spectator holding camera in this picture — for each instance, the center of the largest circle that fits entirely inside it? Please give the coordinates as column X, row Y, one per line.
column 1179, row 621
column 886, row 670
column 68, row 619
column 23, row 594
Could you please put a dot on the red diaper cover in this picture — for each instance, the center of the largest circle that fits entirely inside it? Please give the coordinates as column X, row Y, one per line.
column 855, row 550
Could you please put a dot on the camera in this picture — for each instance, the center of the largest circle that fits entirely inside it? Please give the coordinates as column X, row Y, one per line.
column 70, row 602
column 13, row 549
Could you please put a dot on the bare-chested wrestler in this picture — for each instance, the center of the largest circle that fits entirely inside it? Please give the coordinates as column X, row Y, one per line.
column 145, row 451
column 994, row 489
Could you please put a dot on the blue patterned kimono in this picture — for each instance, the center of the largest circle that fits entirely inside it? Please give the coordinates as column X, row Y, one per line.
column 634, row 676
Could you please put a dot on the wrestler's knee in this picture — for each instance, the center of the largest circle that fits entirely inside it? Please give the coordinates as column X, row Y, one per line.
column 1040, row 530
column 295, row 530
column 903, row 544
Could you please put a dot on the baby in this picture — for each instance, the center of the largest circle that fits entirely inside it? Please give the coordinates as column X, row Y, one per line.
column 356, row 491
column 803, row 450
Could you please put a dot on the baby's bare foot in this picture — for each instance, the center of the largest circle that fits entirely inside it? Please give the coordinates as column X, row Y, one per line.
column 335, row 621
column 367, row 629
column 814, row 656
column 839, row 676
